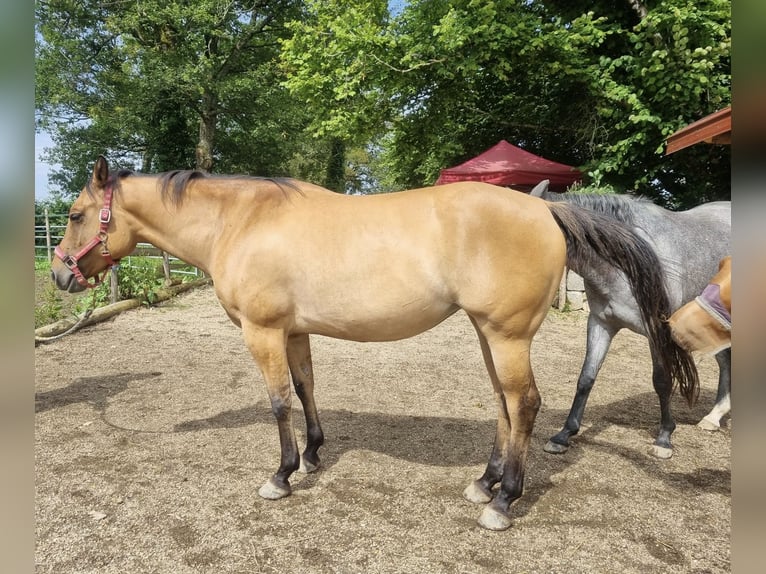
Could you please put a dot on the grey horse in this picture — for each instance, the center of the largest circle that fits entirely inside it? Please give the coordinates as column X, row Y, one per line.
column 690, row 244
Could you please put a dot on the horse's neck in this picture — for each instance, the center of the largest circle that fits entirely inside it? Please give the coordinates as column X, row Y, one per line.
column 186, row 230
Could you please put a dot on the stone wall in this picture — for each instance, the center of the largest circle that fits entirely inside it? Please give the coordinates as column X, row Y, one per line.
column 571, row 293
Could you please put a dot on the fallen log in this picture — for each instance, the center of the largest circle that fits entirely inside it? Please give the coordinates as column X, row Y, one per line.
column 60, row 328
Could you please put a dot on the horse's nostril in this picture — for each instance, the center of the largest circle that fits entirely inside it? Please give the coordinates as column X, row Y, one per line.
column 53, row 276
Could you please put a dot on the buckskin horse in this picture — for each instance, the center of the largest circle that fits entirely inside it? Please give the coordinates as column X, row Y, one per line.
column 289, row 259
column 703, row 325
column 689, row 245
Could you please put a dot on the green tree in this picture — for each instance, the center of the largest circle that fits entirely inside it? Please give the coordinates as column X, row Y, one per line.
column 164, row 85
column 599, row 85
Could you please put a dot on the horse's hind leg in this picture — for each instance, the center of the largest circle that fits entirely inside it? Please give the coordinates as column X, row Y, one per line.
column 663, row 386
column 302, row 371
column 599, row 339
column 712, row 421
column 520, row 399
column 480, row 490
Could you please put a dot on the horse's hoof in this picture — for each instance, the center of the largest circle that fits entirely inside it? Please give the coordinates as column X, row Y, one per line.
column 709, row 425
column 661, row 451
column 492, row 519
column 271, row 491
column 555, row 448
column 307, row 467
column 476, row 494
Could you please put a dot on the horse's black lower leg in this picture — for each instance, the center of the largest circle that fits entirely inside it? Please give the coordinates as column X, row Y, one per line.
column 663, row 387
column 279, row 485
column 599, row 340
column 268, row 349
column 495, row 515
column 302, row 372
column 723, row 358
column 722, row 407
column 480, row 490
column 314, row 434
column 559, row 443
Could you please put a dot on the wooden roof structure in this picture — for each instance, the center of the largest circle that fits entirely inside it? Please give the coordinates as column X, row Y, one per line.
column 715, row 128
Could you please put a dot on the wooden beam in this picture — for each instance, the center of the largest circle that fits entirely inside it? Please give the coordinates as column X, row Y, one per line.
column 715, row 128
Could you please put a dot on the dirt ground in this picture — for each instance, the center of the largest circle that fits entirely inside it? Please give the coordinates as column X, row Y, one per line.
column 154, row 432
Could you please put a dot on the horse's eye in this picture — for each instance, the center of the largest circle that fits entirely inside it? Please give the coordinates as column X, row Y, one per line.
column 75, row 217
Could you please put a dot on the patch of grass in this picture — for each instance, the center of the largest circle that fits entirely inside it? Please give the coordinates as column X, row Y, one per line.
column 51, row 305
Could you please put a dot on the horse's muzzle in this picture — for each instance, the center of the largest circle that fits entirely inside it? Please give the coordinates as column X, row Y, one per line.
column 66, row 281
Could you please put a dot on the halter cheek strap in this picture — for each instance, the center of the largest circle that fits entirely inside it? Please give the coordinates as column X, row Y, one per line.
column 71, row 261
column 710, row 301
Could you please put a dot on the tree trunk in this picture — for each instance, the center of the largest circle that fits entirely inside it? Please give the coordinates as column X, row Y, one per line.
column 207, row 124
column 147, row 159
column 335, row 177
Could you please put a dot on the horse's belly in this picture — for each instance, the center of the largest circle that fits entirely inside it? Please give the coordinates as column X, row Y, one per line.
column 372, row 321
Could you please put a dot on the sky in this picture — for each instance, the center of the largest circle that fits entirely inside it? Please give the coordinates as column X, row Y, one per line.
column 42, row 140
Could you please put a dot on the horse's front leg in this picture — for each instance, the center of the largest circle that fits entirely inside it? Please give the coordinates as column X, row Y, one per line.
column 712, row 420
column 268, row 347
column 598, row 342
column 302, row 371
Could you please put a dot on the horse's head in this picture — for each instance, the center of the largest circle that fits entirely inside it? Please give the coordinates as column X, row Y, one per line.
column 93, row 241
column 704, row 324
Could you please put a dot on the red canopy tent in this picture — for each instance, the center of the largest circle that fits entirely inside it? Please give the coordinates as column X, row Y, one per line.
column 506, row 164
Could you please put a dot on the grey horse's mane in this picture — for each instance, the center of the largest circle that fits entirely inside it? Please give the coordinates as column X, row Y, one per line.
column 618, row 206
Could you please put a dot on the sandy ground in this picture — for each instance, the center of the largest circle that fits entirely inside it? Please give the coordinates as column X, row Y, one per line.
column 154, row 432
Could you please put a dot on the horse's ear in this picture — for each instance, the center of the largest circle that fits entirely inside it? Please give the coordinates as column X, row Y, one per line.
column 100, row 172
column 540, row 189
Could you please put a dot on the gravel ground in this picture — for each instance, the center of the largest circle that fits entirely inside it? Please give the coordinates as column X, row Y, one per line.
column 154, row 432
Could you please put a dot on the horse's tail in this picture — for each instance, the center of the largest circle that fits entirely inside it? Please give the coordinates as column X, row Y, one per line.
column 588, row 235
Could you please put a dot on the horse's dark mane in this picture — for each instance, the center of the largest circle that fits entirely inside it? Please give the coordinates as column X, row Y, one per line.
column 618, row 206
column 173, row 184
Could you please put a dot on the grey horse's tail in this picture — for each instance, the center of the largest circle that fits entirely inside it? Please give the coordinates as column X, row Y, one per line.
column 591, row 235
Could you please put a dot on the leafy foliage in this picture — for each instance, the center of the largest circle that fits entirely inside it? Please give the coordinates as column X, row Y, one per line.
column 165, row 85
column 598, row 85
column 353, row 96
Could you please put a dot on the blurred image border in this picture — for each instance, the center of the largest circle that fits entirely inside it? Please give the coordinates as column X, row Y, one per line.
column 749, row 284
column 17, row 484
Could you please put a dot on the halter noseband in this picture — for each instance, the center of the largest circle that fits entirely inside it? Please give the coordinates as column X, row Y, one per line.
column 104, row 217
column 710, row 301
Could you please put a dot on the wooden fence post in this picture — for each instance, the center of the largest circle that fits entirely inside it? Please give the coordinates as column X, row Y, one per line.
column 48, row 236
column 114, row 285
column 166, row 267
